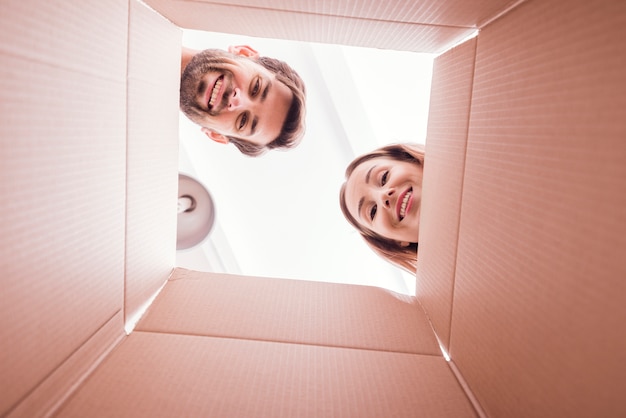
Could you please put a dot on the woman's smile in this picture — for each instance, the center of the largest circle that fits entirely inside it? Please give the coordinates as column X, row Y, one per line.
column 384, row 196
column 405, row 201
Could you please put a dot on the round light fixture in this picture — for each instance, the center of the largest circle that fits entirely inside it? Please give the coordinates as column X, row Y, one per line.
column 196, row 213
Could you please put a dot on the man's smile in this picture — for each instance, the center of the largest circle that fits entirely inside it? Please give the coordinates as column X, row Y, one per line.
column 213, row 93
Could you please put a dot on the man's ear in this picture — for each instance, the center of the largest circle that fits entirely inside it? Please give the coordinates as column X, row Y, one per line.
column 215, row 136
column 244, row 51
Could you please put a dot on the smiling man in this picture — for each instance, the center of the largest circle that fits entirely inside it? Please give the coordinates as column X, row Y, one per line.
column 236, row 96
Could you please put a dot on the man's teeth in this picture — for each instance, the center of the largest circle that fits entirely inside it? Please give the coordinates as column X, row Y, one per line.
column 216, row 90
column 404, row 203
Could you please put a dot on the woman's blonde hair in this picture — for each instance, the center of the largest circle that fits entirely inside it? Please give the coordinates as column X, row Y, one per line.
column 390, row 250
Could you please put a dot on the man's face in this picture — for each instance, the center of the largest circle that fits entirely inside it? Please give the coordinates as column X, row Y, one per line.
column 239, row 98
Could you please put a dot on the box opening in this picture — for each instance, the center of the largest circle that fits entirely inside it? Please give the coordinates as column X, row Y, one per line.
column 358, row 99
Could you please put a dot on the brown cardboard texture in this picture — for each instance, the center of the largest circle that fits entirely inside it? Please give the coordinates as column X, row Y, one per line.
column 243, row 346
column 88, row 166
column 531, row 294
column 521, row 270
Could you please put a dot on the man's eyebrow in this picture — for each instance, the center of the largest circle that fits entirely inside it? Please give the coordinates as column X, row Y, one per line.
column 255, row 121
column 266, row 90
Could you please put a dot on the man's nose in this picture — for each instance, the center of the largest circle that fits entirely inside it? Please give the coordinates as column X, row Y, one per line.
column 237, row 100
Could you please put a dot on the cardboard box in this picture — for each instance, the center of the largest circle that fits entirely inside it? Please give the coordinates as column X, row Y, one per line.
column 521, row 272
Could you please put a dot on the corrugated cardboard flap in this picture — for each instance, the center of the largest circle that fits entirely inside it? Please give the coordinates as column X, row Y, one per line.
column 538, row 313
column 444, row 167
column 294, row 311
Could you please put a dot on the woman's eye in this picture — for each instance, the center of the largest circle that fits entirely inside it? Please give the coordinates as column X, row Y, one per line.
column 373, row 212
column 243, row 120
column 384, row 178
column 255, row 88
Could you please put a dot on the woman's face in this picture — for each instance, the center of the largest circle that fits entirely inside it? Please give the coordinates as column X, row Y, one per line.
column 384, row 195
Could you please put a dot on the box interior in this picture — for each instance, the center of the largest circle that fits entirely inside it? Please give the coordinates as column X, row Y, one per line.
column 520, row 276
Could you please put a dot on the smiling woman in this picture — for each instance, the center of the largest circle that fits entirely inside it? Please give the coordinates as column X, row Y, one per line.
column 381, row 198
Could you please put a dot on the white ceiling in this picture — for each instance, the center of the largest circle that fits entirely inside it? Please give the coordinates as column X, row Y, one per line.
column 278, row 215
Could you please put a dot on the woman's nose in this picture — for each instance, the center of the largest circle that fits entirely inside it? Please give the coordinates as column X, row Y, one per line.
column 386, row 196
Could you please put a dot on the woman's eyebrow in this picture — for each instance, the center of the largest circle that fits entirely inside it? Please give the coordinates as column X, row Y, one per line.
column 369, row 173
column 367, row 180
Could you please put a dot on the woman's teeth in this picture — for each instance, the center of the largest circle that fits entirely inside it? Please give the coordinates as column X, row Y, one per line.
column 405, row 201
column 215, row 92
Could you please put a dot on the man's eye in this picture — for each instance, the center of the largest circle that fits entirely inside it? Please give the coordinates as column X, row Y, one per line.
column 242, row 121
column 256, row 88
column 384, row 178
column 373, row 212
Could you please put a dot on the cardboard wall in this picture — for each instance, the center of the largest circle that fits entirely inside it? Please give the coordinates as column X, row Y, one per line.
column 448, row 124
column 291, row 311
column 537, row 303
column 224, row 345
column 86, row 234
column 152, row 146
column 402, row 25
column 63, row 164
column 164, row 375
column 532, row 308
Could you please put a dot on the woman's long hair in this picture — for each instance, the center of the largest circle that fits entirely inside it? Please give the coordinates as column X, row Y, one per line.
column 390, row 250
